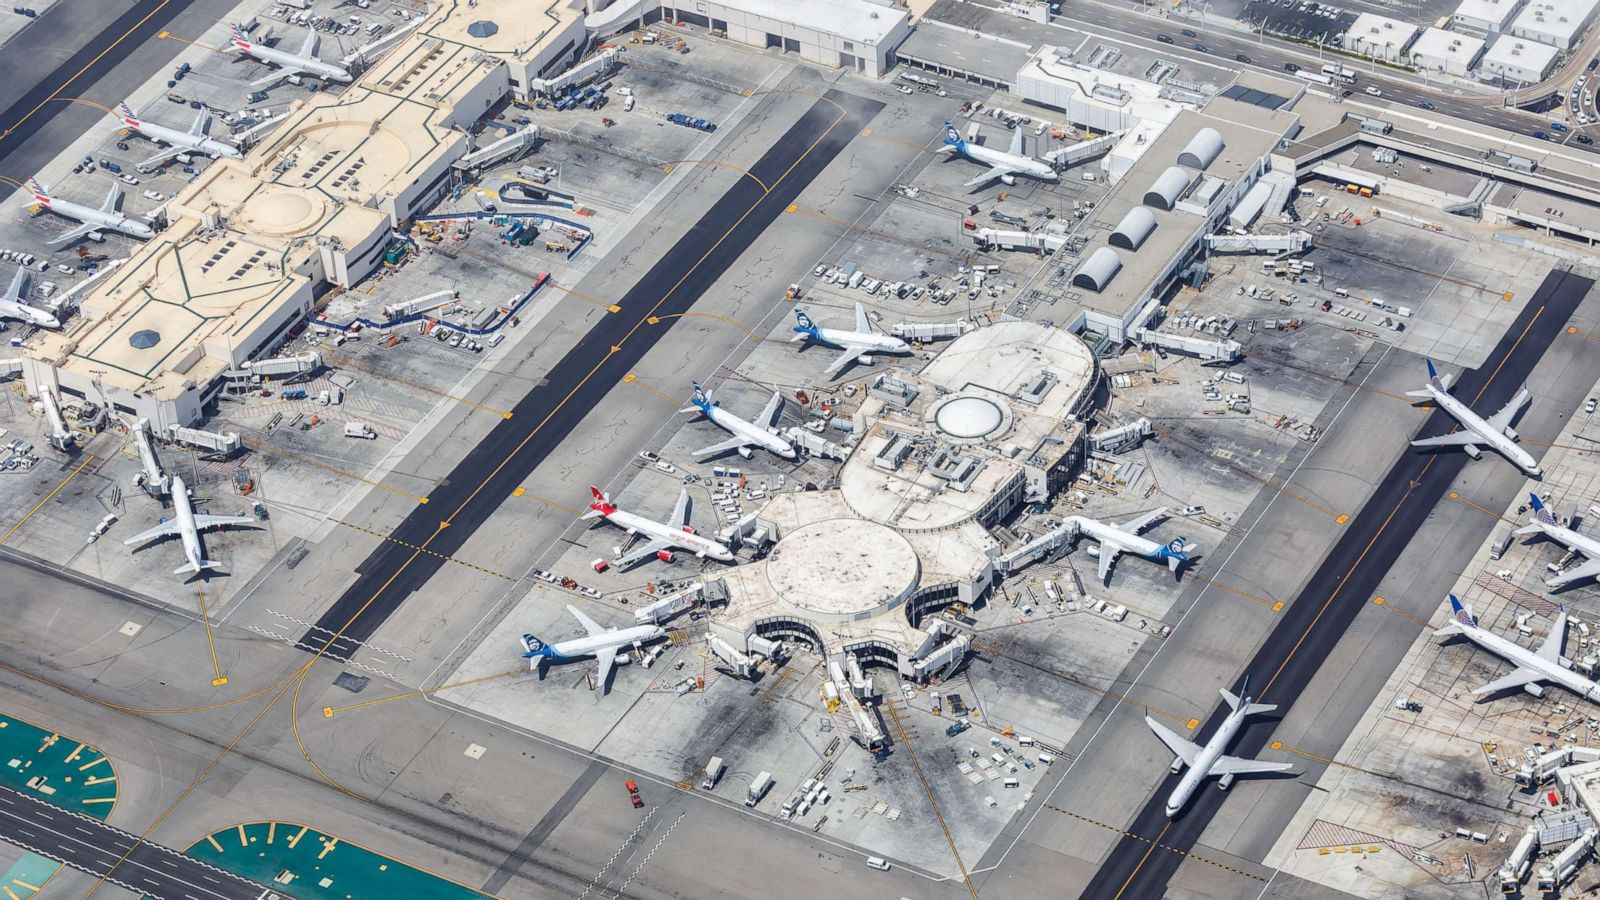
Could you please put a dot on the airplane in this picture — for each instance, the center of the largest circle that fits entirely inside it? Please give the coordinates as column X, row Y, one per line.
column 305, row 62
column 1532, row 666
column 187, row 527
column 1203, row 762
column 746, row 434
column 178, row 142
column 1115, row 540
column 1003, row 165
column 664, row 536
column 13, row 306
column 859, row 344
column 1544, row 522
column 1495, row 431
column 93, row 222
column 600, row 643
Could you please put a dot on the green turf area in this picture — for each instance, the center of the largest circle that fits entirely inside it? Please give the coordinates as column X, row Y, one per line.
column 58, row 769
column 314, row 866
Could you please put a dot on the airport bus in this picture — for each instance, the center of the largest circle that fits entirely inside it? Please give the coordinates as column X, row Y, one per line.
column 1339, row 73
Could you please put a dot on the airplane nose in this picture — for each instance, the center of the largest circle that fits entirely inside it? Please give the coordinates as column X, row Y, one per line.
column 1172, row 811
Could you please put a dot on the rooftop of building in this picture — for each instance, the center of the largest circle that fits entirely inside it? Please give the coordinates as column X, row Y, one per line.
column 1372, row 27
column 1520, row 53
column 514, row 30
column 961, row 49
column 1496, row 12
column 1437, row 43
column 865, row 21
column 1561, row 20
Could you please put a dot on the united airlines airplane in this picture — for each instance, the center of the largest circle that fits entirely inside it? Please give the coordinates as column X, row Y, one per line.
column 1203, row 762
column 1532, row 666
column 1544, row 522
column 1494, row 432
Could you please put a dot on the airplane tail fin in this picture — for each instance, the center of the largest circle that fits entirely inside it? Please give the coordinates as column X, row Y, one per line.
column 128, row 115
column 953, row 139
column 534, row 649
column 601, row 506
column 1460, row 620
column 1177, row 553
column 239, row 40
column 1249, row 708
column 37, row 188
column 700, row 402
column 804, row 328
column 1542, row 516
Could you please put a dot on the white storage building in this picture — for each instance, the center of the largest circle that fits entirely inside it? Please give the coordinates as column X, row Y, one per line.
column 1380, row 37
column 1514, row 61
column 859, row 35
column 1554, row 22
column 1485, row 16
column 1446, row 51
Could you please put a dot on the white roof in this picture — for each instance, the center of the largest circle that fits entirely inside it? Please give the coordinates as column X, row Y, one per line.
column 1373, row 28
column 1495, row 12
column 1560, row 19
column 856, row 20
column 1521, row 53
column 1436, row 43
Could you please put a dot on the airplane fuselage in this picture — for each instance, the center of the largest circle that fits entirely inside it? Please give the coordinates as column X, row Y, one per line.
column 294, row 62
column 87, row 215
column 1522, row 658
column 1201, row 770
column 1572, row 540
column 682, row 539
column 1119, row 539
column 589, row 645
column 187, row 532
column 14, row 309
column 750, row 431
column 1022, row 165
column 860, row 340
column 1485, row 434
column 172, row 137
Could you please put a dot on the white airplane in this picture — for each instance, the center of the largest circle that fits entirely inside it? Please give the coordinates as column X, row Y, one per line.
column 1544, row 522
column 746, row 434
column 664, row 537
column 1115, row 540
column 93, row 223
column 600, row 643
column 1203, row 762
column 14, row 306
column 1532, row 666
column 1495, row 432
column 860, row 344
column 187, row 527
column 1003, row 165
column 305, row 62
column 179, row 143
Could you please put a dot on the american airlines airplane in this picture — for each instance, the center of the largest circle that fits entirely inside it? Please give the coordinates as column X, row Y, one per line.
column 186, row 526
column 178, row 142
column 1115, row 540
column 861, row 344
column 1005, row 166
column 1203, row 762
column 1494, row 432
column 746, row 434
column 305, row 62
column 1532, row 666
column 664, row 537
column 1544, row 522
column 600, row 643
column 93, row 223
column 14, row 304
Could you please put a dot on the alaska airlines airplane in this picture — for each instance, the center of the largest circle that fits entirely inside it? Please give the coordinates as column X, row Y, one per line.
column 178, row 142
column 664, row 536
column 186, row 526
column 1002, row 165
column 1495, row 432
column 861, row 344
column 600, row 643
column 746, row 434
column 1115, row 540
column 1203, row 762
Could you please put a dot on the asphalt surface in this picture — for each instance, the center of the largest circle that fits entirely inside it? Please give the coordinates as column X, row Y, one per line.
column 90, row 845
column 1341, row 586
column 577, row 385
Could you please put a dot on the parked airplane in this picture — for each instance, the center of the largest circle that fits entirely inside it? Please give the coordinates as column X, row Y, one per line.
column 664, row 537
column 186, row 526
column 1495, row 431
column 1544, row 522
column 860, row 344
column 1532, row 666
column 305, row 62
column 179, row 143
column 93, row 223
column 1003, row 165
column 746, row 434
column 600, row 643
column 1203, row 762
column 14, row 305
column 1115, row 540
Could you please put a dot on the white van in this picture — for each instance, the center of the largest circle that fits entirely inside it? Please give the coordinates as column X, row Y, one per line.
column 879, row 863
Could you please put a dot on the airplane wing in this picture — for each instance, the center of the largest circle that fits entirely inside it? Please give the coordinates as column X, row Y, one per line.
column 71, row 235
column 680, row 510
column 993, row 173
column 769, row 415
column 275, row 76
column 1186, row 750
column 1454, row 439
column 1016, row 142
column 168, row 528
column 607, row 660
column 1589, row 569
column 1556, row 640
column 589, row 625
column 1108, row 555
column 308, row 47
column 166, row 153
column 863, row 324
column 649, row 549
column 845, row 359
column 1134, row 526
column 198, row 129
column 112, row 196
column 14, row 293
column 1501, row 421
column 1505, row 683
column 202, row 522
column 724, row 447
column 1233, row 765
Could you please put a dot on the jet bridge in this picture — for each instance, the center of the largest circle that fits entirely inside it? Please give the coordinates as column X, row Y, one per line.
column 153, row 480
column 1210, row 352
column 1083, row 151
column 1292, row 242
column 511, row 145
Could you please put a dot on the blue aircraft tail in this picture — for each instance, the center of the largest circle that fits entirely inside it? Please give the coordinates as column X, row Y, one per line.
column 1540, row 511
column 804, row 325
column 952, row 138
column 533, row 648
column 1463, row 613
column 1175, row 553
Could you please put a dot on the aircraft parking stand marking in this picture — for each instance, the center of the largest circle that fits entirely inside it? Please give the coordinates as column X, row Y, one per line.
column 328, row 711
column 632, row 378
column 1379, row 601
column 571, row 292
column 217, row 680
column 1274, row 605
column 892, row 707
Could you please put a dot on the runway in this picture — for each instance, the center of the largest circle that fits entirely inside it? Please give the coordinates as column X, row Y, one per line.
column 1342, row 585
column 578, row 384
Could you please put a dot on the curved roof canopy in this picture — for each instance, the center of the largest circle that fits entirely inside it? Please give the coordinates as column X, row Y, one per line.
column 1098, row 270
column 1134, row 228
column 1167, row 188
column 1202, row 149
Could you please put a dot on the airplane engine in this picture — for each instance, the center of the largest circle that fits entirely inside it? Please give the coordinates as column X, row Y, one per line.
column 97, row 236
column 1471, row 451
column 1534, row 689
column 1512, row 433
column 746, row 452
column 1008, row 180
column 865, row 360
column 1177, row 766
column 664, row 555
column 1225, row 781
column 1092, row 551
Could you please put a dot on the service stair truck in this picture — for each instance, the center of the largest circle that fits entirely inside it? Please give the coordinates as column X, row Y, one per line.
column 713, row 773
